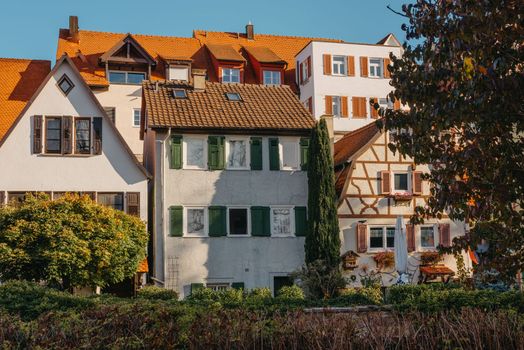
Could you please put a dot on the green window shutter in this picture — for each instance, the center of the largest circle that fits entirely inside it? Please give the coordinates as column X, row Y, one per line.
column 237, row 285
column 274, row 157
column 300, row 221
column 175, row 221
column 260, row 222
column 256, row 153
column 304, row 152
column 176, row 152
column 216, row 152
column 196, row 286
column 217, row 221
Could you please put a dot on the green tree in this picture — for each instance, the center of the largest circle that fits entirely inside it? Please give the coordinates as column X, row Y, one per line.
column 71, row 241
column 461, row 75
column 322, row 239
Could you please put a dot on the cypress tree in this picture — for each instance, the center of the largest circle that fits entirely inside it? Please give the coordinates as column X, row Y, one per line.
column 322, row 238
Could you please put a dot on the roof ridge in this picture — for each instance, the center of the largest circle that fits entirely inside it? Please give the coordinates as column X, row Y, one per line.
column 23, row 59
column 264, row 34
column 138, row 34
column 359, row 130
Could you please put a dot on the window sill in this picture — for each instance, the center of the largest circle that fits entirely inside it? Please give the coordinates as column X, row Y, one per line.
column 54, row 155
column 130, row 84
column 359, row 117
column 237, row 169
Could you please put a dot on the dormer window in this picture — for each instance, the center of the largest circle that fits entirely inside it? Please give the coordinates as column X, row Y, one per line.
column 65, row 84
column 178, row 73
column 230, row 75
column 122, row 77
column 179, row 93
column 233, row 96
column 271, row 77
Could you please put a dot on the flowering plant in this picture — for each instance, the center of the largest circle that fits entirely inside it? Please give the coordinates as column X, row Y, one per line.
column 384, row 259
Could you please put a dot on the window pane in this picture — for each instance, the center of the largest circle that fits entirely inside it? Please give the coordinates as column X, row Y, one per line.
column 339, row 65
column 135, row 78
column 281, row 221
column 83, row 137
column 195, row 153
column 376, row 239
column 390, row 237
column 401, row 182
column 136, row 117
column 53, row 135
column 238, row 221
column 117, row 77
column 336, row 106
column 112, row 200
column 289, row 154
column 195, row 221
column 237, row 154
column 427, row 237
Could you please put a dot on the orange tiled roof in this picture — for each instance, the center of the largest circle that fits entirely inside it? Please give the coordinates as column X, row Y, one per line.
column 262, row 107
column 225, row 53
column 264, row 55
column 19, row 80
column 93, row 44
column 353, row 141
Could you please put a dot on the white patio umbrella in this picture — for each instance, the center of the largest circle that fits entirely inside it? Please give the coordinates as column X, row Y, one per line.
column 401, row 247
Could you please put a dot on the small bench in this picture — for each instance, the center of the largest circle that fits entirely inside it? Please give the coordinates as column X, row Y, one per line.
column 431, row 272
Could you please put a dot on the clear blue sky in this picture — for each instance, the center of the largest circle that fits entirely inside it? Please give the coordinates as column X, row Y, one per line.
column 29, row 28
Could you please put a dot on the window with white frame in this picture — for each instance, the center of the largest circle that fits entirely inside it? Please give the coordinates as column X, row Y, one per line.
column 375, row 67
column 178, row 73
column 381, row 237
column 400, row 182
column 237, row 153
column 136, row 117
column 339, row 65
column 385, row 103
column 289, row 154
column 123, row 77
column 195, row 223
column 305, row 70
column 427, row 237
column 271, row 77
column 230, row 75
column 281, row 221
column 238, row 221
column 194, row 152
column 336, row 106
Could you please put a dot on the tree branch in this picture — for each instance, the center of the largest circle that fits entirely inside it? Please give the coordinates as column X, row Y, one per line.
column 394, row 11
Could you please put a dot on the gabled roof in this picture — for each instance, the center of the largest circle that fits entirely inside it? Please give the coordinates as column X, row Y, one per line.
column 66, row 60
column 389, row 39
column 351, row 143
column 262, row 107
column 19, row 79
column 224, row 53
column 128, row 39
column 264, row 55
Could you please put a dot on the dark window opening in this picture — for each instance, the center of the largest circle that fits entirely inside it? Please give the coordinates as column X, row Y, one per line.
column 237, row 221
column 279, row 282
column 233, row 96
column 401, row 182
column 53, row 135
column 179, row 93
column 112, row 200
column 83, row 135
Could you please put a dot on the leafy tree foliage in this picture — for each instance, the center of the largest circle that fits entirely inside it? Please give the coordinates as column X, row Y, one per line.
column 69, row 242
column 461, row 79
column 322, row 239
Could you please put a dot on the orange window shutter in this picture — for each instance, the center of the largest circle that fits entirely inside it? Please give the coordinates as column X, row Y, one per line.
column 363, row 108
column 327, row 64
column 355, row 106
column 387, row 62
column 410, row 236
column 396, row 105
column 385, row 182
column 363, row 66
column 351, row 66
column 417, row 182
column 344, row 111
column 329, row 105
column 362, row 239
column 309, row 66
column 374, row 111
column 444, row 235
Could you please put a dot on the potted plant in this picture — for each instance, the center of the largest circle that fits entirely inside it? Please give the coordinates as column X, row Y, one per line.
column 384, row 260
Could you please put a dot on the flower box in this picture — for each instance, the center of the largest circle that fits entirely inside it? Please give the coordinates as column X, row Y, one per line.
column 400, row 197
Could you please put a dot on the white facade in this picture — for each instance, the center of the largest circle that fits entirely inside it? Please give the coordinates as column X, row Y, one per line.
column 345, row 79
column 196, row 258
column 113, row 171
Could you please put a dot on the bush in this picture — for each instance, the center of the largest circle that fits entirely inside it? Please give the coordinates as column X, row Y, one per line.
column 359, row 296
column 258, row 295
column 320, row 280
column 157, row 293
column 206, row 296
column 293, row 292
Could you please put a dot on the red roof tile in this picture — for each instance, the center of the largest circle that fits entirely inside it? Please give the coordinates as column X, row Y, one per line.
column 353, row 141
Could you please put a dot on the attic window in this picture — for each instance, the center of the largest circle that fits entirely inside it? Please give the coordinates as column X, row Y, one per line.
column 65, row 84
column 233, row 96
column 179, row 93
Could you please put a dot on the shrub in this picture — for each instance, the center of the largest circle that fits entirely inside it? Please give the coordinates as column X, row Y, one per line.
column 293, row 292
column 257, row 295
column 320, row 280
column 359, row 296
column 157, row 293
column 206, row 296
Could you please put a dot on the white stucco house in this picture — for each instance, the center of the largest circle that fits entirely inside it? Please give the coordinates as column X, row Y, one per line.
column 374, row 187
column 341, row 78
column 230, row 186
column 56, row 138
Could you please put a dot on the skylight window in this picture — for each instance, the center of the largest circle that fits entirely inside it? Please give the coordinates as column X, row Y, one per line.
column 233, row 96
column 179, row 93
column 65, row 84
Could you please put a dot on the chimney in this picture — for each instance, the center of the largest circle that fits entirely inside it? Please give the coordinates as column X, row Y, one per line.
column 73, row 28
column 199, row 79
column 250, row 31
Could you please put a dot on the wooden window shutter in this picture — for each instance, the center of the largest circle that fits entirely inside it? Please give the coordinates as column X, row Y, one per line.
column 363, row 107
column 329, row 105
column 444, row 235
column 344, row 106
column 410, row 237
column 2, row 198
column 217, row 221
column 37, row 134
column 417, row 182
column 301, row 72
column 175, row 221
column 67, row 135
column 97, row 135
column 327, row 64
column 300, row 221
column 304, row 153
column 363, row 66
column 133, row 203
column 387, row 74
column 362, row 239
column 355, row 106
column 310, row 104
column 256, row 153
column 176, row 152
column 396, row 105
column 274, row 154
column 237, row 285
column 351, row 66
column 260, row 222
column 216, row 152
column 385, row 182
column 309, row 67
column 374, row 111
